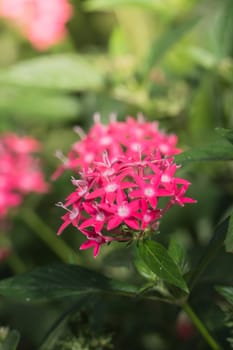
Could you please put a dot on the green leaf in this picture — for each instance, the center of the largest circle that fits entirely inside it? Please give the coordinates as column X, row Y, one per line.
column 165, row 42
column 36, row 105
column 213, row 152
column 226, row 133
column 177, row 253
column 210, row 252
column 96, row 5
column 160, row 262
column 11, row 341
column 59, row 72
column 226, row 292
column 144, row 269
column 60, row 281
column 229, row 237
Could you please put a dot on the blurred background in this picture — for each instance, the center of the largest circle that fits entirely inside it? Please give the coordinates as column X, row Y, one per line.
column 171, row 60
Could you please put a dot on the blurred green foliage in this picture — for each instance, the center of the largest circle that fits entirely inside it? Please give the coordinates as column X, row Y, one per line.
column 171, row 60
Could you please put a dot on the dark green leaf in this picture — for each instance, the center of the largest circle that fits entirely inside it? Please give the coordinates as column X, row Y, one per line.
column 164, row 43
column 57, row 72
column 160, row 262
column 226, row 292
column 229, row 237
column 210, row 252
column 11, row 342
column 226, row 133
column 213, row 152
column 60, row 281
column 177, row 253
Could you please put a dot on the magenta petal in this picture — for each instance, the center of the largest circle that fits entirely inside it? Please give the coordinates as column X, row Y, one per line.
column 133, row 223
column 114, row 222
column 62, row 227
column 86, row 245
column 96, row 250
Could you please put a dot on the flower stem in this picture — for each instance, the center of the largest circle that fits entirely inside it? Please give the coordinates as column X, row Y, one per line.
column 201, row 327
column 43, row 231
column 16, row 264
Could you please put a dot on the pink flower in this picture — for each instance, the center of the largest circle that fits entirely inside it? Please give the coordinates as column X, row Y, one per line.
column 117, row 198
column 20, row 171
column 41, row 21
column 117, row 139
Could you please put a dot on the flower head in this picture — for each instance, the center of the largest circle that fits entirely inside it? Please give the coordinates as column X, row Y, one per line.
column 41, row 21
column 20, row 171
column 124, row 195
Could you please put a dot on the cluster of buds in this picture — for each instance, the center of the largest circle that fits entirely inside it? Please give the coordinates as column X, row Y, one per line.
column 20, row 171
column 124, row 195
column 41, row 21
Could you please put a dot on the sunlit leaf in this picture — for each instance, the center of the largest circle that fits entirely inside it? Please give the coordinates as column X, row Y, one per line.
column 58, row 72
column 37, row 106
column 60, row 281
column 165, row 42
column 11, row 342
column 160, row 262
column 95, row 5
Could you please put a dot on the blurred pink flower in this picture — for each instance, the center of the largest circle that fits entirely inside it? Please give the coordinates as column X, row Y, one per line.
column 123, row 196
column 41, row 21
column 20, row 171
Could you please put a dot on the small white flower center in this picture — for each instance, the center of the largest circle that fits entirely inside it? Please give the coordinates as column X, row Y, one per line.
column 106, row 141
column 135, row 146
column 100, row 217
column 108, row 172
column 165, row 178
column 164, row 148
column 147, row 217
column 149, row 192
column 89, row 157
column 74, row 213
column 123, row 211
column 111, row 187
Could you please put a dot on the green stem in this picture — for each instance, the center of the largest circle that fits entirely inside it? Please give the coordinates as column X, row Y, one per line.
column 16, row 264
column 201, row 328
column 57, row 245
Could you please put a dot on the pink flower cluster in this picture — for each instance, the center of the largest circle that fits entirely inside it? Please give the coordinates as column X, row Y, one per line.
column 20, row 171
column 41, row 21
column 124, row 195
column 117, row 138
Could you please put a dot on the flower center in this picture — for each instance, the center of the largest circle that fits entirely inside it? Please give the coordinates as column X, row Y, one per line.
column 147, row 217
column 106, row 141
column 100, row 217
column 123, row 211
column 149, row 192
column 165, row 178
column 111, row 187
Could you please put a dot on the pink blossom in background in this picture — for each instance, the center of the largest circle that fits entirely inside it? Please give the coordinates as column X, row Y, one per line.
column 42, row 22
column 123, row 193
column 20, row 171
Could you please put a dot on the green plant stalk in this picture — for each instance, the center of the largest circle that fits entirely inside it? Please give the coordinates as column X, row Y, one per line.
column 58, row 246
column 201, row 327
column 16, row 264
